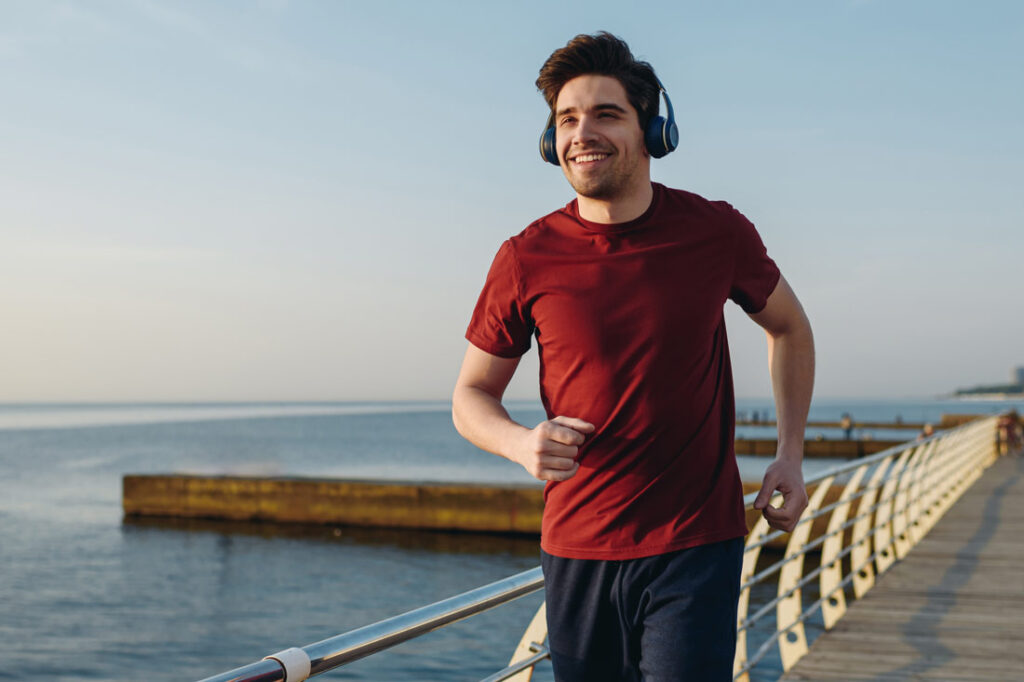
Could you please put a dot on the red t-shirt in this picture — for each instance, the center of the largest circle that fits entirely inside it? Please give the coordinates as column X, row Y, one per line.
column 631, row 335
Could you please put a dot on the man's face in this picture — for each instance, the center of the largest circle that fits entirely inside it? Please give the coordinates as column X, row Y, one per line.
column 598, row 138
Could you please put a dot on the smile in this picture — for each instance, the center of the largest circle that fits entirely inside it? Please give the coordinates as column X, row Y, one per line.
column 589, row 158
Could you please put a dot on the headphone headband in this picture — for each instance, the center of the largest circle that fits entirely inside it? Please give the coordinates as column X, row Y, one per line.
column 669, row 131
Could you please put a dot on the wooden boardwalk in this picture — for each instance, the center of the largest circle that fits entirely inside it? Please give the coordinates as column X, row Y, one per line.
column 953, row 609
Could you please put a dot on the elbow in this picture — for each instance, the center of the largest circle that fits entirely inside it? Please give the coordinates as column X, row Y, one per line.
column 801, row 331
column 799, row 337
column 805, row 332
column 458, row 397
column 455, row 410
column 795, row 326
column 795, row 339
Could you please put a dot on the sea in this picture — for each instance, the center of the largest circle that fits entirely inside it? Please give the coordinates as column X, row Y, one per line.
column 86, row 594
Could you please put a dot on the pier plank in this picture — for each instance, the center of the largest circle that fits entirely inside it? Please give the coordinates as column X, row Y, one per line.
column 953, row 609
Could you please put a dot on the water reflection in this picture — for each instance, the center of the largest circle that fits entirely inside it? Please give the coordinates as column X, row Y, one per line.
column 444, row 542
column 233, row 591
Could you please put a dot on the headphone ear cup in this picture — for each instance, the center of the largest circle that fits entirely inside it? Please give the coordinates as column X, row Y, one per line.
column 661, row 136
column 547, row 146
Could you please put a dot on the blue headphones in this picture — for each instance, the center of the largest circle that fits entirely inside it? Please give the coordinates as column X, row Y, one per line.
column 660, row 137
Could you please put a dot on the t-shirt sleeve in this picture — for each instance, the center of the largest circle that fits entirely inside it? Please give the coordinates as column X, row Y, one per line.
column 500, row 326
column 754, row 273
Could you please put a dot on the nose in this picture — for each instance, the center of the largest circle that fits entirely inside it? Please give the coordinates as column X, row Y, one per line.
column 585, row 131
column 582, row 135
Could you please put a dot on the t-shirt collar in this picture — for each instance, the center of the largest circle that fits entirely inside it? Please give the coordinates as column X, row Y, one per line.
column 573, row 209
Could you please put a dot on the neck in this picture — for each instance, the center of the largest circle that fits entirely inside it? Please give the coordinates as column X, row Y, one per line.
column 618, row 210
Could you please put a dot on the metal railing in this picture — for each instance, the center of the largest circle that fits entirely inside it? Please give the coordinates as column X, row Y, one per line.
column 908, row 489
column 288, row 665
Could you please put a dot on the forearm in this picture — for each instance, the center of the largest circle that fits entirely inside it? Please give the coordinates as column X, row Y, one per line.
column 547, row 451
column 482, row 420
column 791, row 362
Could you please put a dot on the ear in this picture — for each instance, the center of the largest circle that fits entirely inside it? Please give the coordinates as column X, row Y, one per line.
column 643, row 141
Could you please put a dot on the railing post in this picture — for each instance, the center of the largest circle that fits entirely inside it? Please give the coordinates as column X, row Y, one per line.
column 921, row 494
column 833, row 604
column 885, row 555
column 793, row 642
column 860, row 561
column 750, row 556
column 903, row 501
column 962, row 464
column 536, row 633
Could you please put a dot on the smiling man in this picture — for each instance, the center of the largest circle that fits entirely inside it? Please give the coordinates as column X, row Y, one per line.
column 624, row 290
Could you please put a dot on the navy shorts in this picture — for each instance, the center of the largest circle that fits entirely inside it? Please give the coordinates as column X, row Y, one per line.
column 664, row 618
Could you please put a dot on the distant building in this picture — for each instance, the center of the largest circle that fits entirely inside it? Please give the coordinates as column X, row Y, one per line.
column 1014, row 388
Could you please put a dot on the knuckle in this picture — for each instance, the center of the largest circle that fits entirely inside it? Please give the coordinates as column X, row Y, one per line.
column 539, row 444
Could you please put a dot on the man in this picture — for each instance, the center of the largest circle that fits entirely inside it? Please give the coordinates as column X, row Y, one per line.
column 624, row 291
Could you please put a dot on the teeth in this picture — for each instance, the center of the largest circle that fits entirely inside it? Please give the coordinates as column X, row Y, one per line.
column 589, row 157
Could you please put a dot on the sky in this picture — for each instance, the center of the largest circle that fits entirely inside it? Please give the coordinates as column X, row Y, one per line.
column 278, row 200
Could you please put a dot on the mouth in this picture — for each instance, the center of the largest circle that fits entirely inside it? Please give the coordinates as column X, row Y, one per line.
column 588, row 159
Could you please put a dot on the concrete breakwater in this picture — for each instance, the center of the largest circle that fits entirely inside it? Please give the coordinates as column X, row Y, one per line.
column 389, row 504
column 466, row 507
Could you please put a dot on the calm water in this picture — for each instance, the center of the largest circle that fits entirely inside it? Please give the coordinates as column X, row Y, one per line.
column 88, row 596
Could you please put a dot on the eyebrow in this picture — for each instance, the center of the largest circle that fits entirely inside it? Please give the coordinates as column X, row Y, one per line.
column 607, row 106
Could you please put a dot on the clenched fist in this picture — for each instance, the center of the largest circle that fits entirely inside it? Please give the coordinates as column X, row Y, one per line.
column 548, row 451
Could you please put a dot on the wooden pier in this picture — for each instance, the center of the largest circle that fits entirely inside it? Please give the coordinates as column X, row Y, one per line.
column 953, row 609
column 931, row 551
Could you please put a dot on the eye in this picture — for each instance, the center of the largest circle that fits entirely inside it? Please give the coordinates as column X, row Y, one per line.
column 567, row 120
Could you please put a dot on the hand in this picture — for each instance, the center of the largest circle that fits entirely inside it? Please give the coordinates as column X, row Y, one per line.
column 785, row 476
column 548, row 451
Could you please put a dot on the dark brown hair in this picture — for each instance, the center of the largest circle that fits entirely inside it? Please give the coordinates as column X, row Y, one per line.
column 605, row 55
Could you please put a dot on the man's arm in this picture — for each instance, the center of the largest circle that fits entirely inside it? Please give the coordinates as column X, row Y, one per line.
column 791, row 362
column 548, row 451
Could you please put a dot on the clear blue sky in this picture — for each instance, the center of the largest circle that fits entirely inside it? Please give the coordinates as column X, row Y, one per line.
column 299, row 200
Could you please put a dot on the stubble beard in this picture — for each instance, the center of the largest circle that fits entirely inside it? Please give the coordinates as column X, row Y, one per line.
column 605, row 188
column 612, row 184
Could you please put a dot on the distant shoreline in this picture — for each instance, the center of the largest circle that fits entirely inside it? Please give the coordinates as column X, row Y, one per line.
column 988, row 396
